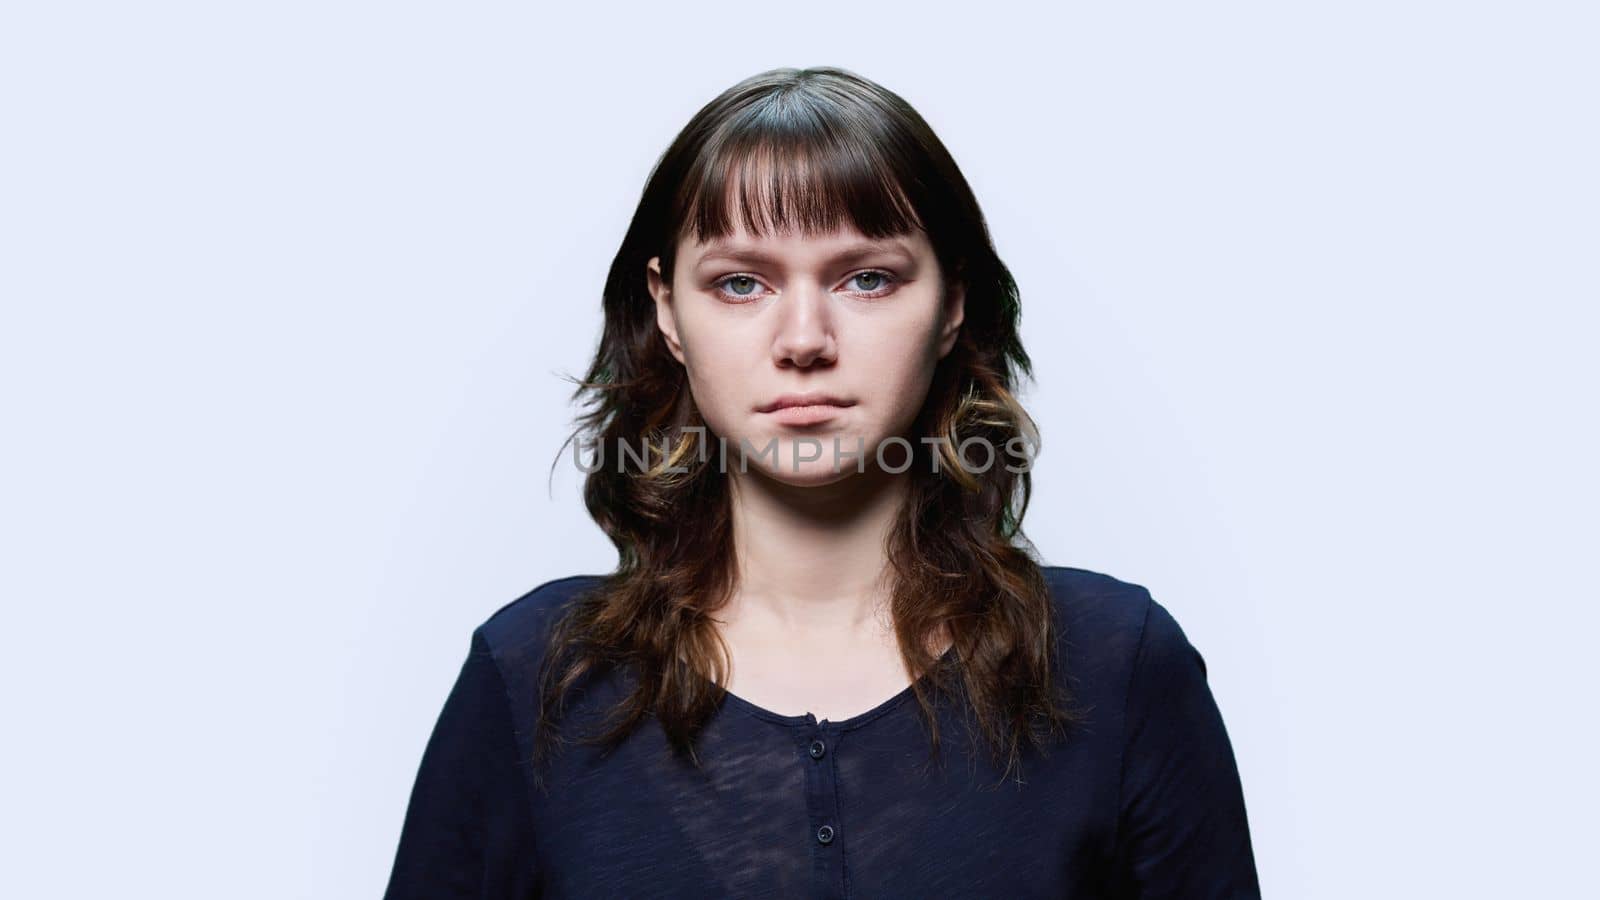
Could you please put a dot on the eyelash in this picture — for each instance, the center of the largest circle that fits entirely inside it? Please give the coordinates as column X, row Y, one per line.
column 891, row 281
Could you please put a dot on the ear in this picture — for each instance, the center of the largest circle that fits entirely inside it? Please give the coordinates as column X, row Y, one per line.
column 955, row 312
column 662, row 292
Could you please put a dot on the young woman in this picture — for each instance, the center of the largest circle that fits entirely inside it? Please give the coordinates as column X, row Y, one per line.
column 804, row 443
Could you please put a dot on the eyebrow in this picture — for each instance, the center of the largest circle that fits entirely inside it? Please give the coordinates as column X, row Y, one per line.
column 723, row 250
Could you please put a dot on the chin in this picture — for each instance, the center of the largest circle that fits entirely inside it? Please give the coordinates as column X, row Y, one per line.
column 811, row 474
column 792, row 463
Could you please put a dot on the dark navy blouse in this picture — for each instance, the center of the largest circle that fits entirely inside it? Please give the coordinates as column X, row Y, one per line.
column 1145, row 801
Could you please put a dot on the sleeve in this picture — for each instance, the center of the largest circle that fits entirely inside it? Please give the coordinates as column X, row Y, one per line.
column 468, row 829
column 1182, row 831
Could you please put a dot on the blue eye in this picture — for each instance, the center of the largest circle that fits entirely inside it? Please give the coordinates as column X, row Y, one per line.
column 738, row 286
column 872, row 281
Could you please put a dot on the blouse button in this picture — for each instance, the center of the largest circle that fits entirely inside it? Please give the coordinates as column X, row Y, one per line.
column 817, row 749
column 825, row 834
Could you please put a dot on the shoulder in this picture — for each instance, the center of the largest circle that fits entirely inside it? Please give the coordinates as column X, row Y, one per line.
column 1100, row 604
column 1106, row 626
column 519, row 627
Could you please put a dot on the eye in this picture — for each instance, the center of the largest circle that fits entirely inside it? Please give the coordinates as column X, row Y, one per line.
column 873, row 282
column 737, row 287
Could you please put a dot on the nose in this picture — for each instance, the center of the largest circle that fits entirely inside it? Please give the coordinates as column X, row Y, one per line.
column 805, row 329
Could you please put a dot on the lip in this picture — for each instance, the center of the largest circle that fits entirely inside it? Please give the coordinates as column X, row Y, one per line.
column 788, row 401
column 805, row 409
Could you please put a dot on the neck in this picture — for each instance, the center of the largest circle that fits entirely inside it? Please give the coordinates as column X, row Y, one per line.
column 812, row 561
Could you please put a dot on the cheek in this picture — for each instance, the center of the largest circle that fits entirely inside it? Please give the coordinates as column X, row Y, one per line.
column 894, row 370
column 717, row 357
column 901, row 358
column 900, row 377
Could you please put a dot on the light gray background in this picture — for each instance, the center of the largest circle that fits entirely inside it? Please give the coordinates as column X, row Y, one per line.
column 288, row 288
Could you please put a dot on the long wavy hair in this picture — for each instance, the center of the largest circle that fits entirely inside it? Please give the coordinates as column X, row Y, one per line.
column 808, row 149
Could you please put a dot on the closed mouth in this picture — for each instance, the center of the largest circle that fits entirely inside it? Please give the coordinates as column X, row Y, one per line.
column 807, row 401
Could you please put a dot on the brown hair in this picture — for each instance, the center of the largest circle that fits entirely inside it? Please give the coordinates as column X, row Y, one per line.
column 808, row 149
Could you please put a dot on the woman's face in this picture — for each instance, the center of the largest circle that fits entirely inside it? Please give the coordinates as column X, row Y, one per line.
column 858, row 324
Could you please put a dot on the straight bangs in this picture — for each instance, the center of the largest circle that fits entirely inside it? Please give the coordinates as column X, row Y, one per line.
column 787, row 171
